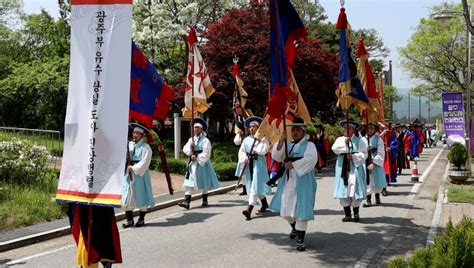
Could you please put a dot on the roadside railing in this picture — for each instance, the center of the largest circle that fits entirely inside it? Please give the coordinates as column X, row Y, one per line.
column 51, row 139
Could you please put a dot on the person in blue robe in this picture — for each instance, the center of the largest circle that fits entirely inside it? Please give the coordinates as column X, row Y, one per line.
column 253, row 167
column 201, row 175
column 296, row 192
column 375, row 165
column 137, row 190
column 350, row 178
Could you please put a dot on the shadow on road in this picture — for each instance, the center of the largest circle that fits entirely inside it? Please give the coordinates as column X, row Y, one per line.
column 342, row 249
column 184, row 219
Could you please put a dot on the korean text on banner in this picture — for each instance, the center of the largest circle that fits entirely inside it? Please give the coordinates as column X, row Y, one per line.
column 453, row 114
column 98, row 103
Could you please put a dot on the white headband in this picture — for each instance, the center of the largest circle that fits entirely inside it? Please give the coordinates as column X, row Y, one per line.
column 137, row 129
column 198, row 125
column 254, row 123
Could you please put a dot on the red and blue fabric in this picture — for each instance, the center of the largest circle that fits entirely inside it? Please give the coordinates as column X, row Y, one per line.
column 145, row 88
column 285, row 28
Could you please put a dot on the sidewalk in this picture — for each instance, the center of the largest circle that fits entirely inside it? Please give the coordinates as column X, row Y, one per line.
column 47, row 230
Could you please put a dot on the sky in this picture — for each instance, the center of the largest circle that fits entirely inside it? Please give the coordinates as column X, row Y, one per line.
column 394, row 20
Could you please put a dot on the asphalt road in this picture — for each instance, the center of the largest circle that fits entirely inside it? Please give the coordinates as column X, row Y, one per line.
column 219, row 236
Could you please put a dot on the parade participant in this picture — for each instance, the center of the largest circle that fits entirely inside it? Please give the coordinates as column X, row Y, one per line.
column 201, row 174
column 252, row 160
column 401, row 156
column 376, row 174
column 322, row 145
column 350, row 180
column 435, row 135
column 296, row 191
column 137, row 190
column 391, row 152
column 414, row 140
column 239, row 137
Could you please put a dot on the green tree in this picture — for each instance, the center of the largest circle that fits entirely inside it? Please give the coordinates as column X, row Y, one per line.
column 160, row 30
column 391, row 96
column 435, row 54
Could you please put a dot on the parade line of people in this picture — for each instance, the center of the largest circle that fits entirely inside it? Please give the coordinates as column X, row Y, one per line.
column 368, row 160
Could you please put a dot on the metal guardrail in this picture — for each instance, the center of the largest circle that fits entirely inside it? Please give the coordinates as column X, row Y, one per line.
column 51, row 139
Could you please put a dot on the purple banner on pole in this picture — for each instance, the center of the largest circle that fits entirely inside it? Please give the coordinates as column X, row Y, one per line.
column 453, row 114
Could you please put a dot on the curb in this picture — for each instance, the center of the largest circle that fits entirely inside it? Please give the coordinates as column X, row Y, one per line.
column 47, row 235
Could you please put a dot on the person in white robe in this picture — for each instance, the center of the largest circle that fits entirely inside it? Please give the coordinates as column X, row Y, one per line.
column 296, row 192
column 350, row 179
column 375, row 165
column 239, row 137
column 253, row 167
column 137, row 190
column 201, row 175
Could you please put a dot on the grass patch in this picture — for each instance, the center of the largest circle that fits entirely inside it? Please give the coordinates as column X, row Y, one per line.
column 461, row 194
column 22, row 206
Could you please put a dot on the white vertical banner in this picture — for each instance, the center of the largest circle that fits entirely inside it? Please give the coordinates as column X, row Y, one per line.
column 96, row 123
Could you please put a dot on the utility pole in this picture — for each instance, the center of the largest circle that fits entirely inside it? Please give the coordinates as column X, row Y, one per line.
column 409, row 115
column 391, row 84
column 419, row 107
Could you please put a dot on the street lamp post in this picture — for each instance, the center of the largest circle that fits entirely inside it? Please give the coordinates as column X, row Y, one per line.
column 442, row 18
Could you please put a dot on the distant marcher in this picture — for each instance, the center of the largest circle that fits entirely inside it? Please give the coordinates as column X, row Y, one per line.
column 322, row 145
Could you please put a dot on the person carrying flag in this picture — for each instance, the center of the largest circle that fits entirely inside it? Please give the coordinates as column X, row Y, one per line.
column 350, row 179
column 376, row 174
column 252, row 160
column 296, row 192
column 201, row 174
column 137, row 190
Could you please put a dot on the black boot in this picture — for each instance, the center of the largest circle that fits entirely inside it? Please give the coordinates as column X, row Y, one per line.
column 244, row 190
column 347, row 212
column 129, row 223
column 248, row 212
column 264, row 205
column 377, row 199
column 368, row 202
column 204, row 200
column 186, row 202
column 300, row 246
column 141, row 219
column 293, row 230
column 356, row 214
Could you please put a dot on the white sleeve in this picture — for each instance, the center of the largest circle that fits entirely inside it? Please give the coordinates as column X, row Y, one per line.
column 339, row 146
column 262, row 147
column 360, row 157
column 187, row 147
column 380, row 158
column 307, row 163
column 278, row 155
column 238, row 139
column 242, row 153
column 203, row 157
column 141, row 167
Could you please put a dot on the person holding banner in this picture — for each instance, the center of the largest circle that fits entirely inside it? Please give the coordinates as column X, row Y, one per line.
column 350, row 179
column 296, row 192
column 375, row 167
column 253, row 167
column 201, row 174
column 137, row 190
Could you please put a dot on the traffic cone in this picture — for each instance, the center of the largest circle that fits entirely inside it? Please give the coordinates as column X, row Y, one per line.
column 414, row 173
